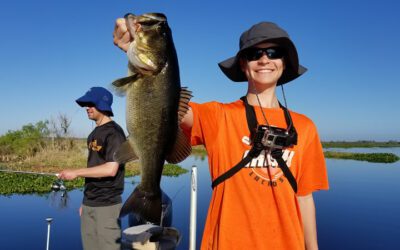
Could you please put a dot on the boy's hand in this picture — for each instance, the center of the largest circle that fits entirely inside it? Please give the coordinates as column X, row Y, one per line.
column 122, row 37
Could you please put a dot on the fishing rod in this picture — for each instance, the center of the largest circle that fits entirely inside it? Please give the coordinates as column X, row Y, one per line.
column 27, row 172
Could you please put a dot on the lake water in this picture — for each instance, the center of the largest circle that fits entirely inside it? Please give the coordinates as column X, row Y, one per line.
column 360, row 211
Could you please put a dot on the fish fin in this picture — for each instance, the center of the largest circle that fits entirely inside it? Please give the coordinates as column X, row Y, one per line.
column 184, row 103
column 181, row 149
column 144, row 204
column 120, row 86
column 125, row 153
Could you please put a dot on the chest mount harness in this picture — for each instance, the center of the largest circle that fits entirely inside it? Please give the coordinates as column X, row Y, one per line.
column 265, row 137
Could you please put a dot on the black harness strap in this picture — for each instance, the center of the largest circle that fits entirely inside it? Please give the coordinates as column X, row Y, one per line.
column 277, row 154
column 253, row 153
column 256, row 150
column 250, row 116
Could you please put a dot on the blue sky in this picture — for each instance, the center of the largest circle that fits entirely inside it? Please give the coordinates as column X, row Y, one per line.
column 52, row 52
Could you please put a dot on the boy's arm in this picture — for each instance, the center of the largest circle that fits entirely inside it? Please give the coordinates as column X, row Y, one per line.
column 307, row 210
column 103, row 170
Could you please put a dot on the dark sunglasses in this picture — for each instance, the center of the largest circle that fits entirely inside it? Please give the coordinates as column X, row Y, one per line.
column 253, row 54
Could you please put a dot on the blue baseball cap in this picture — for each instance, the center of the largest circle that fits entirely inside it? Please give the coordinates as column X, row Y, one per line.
column 100, row 97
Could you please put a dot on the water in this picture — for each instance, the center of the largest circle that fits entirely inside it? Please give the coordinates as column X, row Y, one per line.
column 360, row 211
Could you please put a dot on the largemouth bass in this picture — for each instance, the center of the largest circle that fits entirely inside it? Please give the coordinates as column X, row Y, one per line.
column 155, row 103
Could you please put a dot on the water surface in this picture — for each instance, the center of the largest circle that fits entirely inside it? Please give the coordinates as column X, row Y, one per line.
column 360, row 211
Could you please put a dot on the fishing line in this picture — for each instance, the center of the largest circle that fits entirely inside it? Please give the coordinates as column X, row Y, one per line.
column 177, row 192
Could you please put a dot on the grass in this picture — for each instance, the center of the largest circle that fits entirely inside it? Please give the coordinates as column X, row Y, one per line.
column 51, row 160
column 360, row 144
column 369, row 157
column 173, row 170
column 199, row 152
column 12, row 183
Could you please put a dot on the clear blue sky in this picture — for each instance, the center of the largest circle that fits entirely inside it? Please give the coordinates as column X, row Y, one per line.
column 52, row 52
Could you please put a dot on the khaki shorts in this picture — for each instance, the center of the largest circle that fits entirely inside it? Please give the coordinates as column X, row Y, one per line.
column 101, row 227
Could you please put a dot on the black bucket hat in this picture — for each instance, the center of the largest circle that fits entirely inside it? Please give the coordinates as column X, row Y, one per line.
column 264, row 32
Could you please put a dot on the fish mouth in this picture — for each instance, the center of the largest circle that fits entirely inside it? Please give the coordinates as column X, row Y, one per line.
column 137, row 50
column 140, row 60
column 144, row 22
column 147, row 17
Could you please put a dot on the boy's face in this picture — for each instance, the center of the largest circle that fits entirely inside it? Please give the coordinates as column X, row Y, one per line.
column 93, row 113
column 263, row 71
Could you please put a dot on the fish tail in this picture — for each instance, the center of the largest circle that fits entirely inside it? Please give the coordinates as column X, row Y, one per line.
column 144, row 204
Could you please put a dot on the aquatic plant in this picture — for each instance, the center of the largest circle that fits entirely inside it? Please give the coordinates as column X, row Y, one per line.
column 173, row 170
column 12, row 183
column 369, row 157
column 360, row 144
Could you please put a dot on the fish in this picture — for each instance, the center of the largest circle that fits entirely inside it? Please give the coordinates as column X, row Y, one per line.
column 155, row 104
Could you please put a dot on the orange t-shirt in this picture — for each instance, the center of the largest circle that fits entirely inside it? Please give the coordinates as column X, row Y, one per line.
column 257, row 207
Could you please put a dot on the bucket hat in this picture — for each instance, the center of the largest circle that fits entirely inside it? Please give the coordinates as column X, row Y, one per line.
column 100, row 97
column 264, row 32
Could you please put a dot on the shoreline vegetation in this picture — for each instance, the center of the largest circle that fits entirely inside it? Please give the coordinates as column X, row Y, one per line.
column 35, row 148
column 369, row 157
column 199, row 151
column 46, row 147
column 360, row 144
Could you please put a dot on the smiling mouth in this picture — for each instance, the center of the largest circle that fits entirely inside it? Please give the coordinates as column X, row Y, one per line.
column 264, row 70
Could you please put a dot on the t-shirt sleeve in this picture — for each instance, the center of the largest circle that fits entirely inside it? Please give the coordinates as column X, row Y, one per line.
column 313, row 175
column 205, row 123
column 113, row 142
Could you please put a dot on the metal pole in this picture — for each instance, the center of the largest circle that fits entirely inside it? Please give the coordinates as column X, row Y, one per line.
column 193, row 209
column 48, row 232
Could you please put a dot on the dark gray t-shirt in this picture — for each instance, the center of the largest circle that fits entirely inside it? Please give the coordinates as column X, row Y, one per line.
column 102, row 143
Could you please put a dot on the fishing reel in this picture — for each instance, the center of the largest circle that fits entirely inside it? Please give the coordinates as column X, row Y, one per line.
column 59, row 195
column 58, row 185
column 270, row 137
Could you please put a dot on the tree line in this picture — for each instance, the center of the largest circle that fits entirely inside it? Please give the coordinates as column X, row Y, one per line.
column 33, row 138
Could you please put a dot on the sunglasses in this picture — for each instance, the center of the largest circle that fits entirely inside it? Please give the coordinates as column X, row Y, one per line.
column 253, row 54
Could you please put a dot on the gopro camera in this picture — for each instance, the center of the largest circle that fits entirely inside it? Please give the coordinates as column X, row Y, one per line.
column 271, row 137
